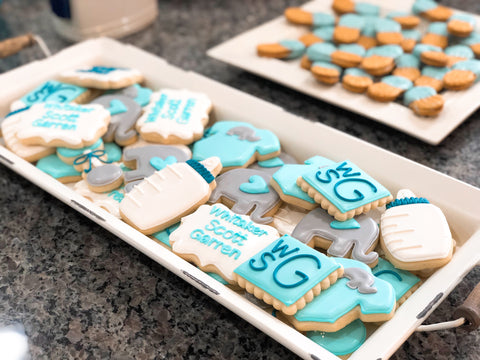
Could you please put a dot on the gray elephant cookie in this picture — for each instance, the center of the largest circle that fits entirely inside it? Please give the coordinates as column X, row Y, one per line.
column 124, row 111
column 358, row 235
column 148, row 159
column 272, row 165
column 246, row 192
column 138, row 93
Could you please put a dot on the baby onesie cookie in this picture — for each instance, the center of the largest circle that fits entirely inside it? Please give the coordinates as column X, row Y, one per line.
column 408, row 66
column 344, row 190
column 431, row 10
column 432, row 76
column 175, row 117
column 284, row 181
column 458, row 53
column 109, row 201
column 144, row 161
column 415, row 234
column 380, row 60
column 462, row 75
column 124, row 113
column 287, row 274
column 104, row 178
column 461, row 25
column 403, row 282
column 272, row 165
column 389, row 88
column 358, row 295
column 355, row 238
column 183, row 186
column 287, row 217
column 68, row 125
column 284, row 49
column 356, row 80
column 423, row 100
column 53, row 166
column 430, row 55
column 237, row 144
column 217, row 240
column 404, row 18
column 410, row 39
column 389, row 32
column 54, row 91
column 299, row 16
column 323, row 34
column 436, row 35
column 348, row 29
column 138, row 93
column 247, row 192
column 102, row 77
column 326, row 73
column 473, row 41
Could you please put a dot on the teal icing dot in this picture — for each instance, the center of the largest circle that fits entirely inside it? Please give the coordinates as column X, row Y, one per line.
column 463, row 17
column 439, row 28
column 369, row 27
column 435, row 72
column 352, row 21
column 255, row 185
column 357, row 72
column 113, row 151
column 420, row 48
column 296, row 47
column 421, row 6
column 320, row 51
column 411, row 34
column 418, row 93
column 327, row 65
column 323, row 19
column 362, row 8
column 407, row 61
column 325, row 33
column 352, row 49
column 387, row 25
column 392, row 51
column 471, row 65
column 462, row 51
column 398, row 82
column 117, row 107
column 473, row 39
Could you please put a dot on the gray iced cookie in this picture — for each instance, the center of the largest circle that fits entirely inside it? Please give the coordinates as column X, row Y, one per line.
column 247, row 192
column 244, row 133
column 104, row 178
column 138, row 93
column 358, row 236
column 272, row 165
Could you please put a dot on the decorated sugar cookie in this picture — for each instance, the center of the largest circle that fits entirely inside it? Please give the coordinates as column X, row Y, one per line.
column 415, row 234
column 237, row 144
column 89, row 158
column 410, row 39
column 462, row 75
column 287, row 217
column 380, row 60
column 343, row 189
column 247, row 192
column 432, row 76
column 431, row 10
column 424, row 100
column 102, row 77
column 284, row 49
column 183, row 186
column 217, row 240
column 430, row 55
column 302, row 17
column 54, row 91
column 358, row 295
column 356, row 80
column 287, row 274
column 461, row 25
column 272, row 165
column 55, row 167
column 124, row 113
column 458, row 53
column 284, row 181
column 174, row 117
column 355, row 238
column 109, row 201
column 348, row 29
column 404, row 18
column 104, row 178
column 68, row 125
column 326, row 73
column 388, row 32
column 389, row 88
column 138, row 93
column 322, row 34
column 408, row 66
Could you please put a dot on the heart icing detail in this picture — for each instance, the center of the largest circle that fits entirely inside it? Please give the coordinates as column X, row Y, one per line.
column 117, row 107
column 159, row 163
column 256, row 185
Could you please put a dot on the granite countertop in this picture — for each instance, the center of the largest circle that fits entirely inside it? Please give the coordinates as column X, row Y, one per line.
column 79, row 292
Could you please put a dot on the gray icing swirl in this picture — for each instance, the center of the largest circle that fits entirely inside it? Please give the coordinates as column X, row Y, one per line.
column 122, row 126
column 104, row 175
column 142, row 157
column 317, row 223
column 244, row 133
column 360, row 279
column 284, row 157
column 228, row 186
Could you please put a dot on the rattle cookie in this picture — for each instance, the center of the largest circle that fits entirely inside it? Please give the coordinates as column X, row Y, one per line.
column 102, row 77
column 68, row 125
column 358, row 295
column 458, row 53
column 430, row 55
column 287, row 274
column 389, row 88
column 360, row 8
column 461, row 25
column 284, row 49
column 247, row 192
column 272, row 165
column 423, row 100
column 104, row 178
column 367, row 37
column 183, row 186
column 323, row 34
column 410, row 39
column 218, row 240
column 473, row 41
column 436, row 35
column 356, row 80
column 237, row 144
column 415, row 234
column 407, row 66
column 299, row 16
column 355, row 238
column 432, row 76
column 56, row 168
column 404, row 18
column 462, row 75
column 388, row 32
column 174, row 117
column 348, row 28
column 431, row 10
column 343, row 189
column 326, row 73
column 380, row 60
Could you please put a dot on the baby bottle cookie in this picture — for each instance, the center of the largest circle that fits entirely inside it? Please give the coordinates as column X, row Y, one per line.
column 102, row 77
column 408, row 66
column 461, row 25
column 356, row 80
column 183, row 186
column 348, row 29
column 217, row 240
column 404, row 18
column 436, row 35
column 415, row 234
column 424, row 100
column 462, row 75
column 287, row 274
column 431, row 10
column 432, row 76
column 380, row 60
column 299, row 16
column 326, row 73
column 389, row 88
column 284, row 49
column 389, row 32
column 175, row 117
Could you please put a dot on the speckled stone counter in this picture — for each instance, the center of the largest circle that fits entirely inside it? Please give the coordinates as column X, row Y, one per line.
column 80, row 292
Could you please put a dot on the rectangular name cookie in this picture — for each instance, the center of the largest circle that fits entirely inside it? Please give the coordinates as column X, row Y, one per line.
column 287, row 274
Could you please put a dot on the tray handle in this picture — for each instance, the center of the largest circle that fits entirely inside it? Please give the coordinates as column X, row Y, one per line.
column 14, row 45
column 470, row 310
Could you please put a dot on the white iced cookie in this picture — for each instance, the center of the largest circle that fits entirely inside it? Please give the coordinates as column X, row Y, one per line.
column 102, row 77
column 415, row 234
column 110, row 201
column 163, row 198
column 69, row 125
column 174, row 117
column 218, row 240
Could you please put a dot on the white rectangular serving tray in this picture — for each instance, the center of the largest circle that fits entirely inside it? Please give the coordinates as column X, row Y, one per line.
column 240, row 51
column 458, row 200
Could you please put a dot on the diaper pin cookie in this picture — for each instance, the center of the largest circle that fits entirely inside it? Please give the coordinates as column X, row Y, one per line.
column 102, row 77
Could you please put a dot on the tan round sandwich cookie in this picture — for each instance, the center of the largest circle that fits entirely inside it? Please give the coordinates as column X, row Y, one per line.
column 436, row 35
column 343, row 6
column 317, row 52
column 388, row 32
column 463, row 74
column 367, row 42
column 302, row 17
column 323, row 34
column 432, row 76
column 410, row 39
column 284, row 49
column 408, row 66
column 326, row 73
column 389, row 88
column 415, row 234
column 367, row 37
column 356, row 80
column 102, row 77
column 473, row 41
column 404, row 18
column 380, row 60
column 348, row 55
column 458, row 53
column 431, row 10
column 348, row 29
column 430, row 55
column 461, row 25
column 424, row 101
